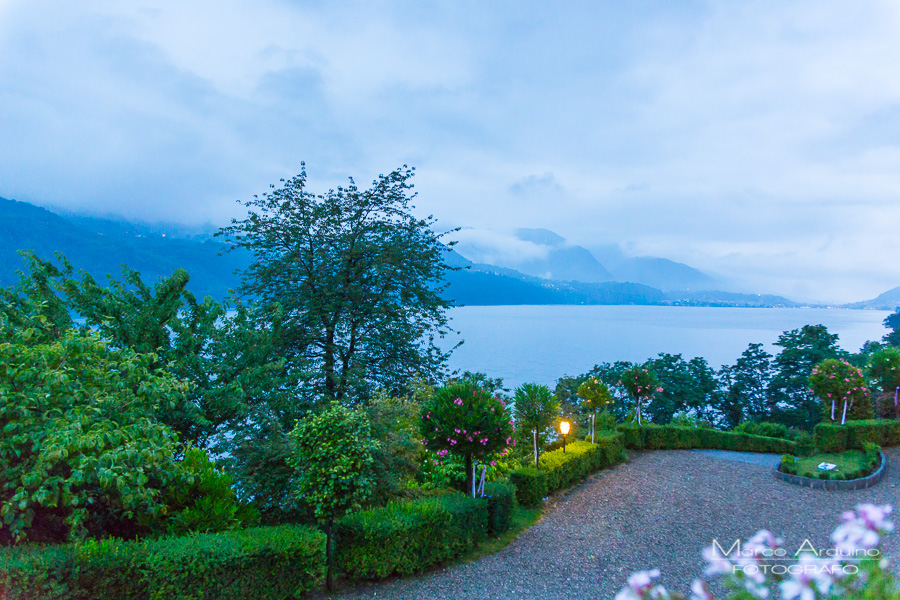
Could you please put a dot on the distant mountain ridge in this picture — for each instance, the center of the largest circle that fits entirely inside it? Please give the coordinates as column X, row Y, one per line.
column 101, row 246
column 889, row 300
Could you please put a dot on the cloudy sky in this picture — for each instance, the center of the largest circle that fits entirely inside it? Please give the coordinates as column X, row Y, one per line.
column 755, row 140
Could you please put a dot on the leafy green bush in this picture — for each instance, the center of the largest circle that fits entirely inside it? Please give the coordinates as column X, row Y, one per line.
column 501, row 499
column 531, row 485
column 405, row 537
column 253, row 564
column 764, row 428
column 842, row 389
column 788, row 464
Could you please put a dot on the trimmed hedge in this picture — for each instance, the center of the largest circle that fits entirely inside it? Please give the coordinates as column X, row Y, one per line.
column 832, row 437
column 561, row 469
column 531, row 485
column 501, row 500
column 253, row 564
column 657, row 437
column 405, row 537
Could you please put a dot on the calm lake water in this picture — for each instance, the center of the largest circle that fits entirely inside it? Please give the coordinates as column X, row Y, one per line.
column 542, row 343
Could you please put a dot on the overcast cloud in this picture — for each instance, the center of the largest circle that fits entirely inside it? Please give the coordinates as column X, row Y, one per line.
column 759, row 141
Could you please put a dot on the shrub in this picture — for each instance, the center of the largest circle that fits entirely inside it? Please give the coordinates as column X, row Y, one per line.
column 405, row 537
column 842, row 388
column 501, row 499
column 806, row 445
column 788, row 464
column 641, row 384
column 254, row 564
column 531, row 485
column 763, row 428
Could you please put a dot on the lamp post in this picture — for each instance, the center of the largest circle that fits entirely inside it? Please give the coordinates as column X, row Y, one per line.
column 564, row 429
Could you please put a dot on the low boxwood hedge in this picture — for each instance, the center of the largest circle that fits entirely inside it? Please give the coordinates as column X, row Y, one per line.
column 405, row 537
column 560, row 469
column 659, row 437
column 833, row 437
column 253, row 564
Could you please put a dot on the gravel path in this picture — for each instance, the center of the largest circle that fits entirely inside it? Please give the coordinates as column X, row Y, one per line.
column 753, row 458
column 658, row 510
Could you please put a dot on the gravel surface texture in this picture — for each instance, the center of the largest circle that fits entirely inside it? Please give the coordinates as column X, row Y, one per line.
column 659, row 510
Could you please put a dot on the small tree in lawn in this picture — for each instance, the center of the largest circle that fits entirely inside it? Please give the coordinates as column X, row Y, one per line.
column 334, row 459
column 836, row 381
column 536, row 409
column 465, row 420
column 641, row 384
column 596, row 395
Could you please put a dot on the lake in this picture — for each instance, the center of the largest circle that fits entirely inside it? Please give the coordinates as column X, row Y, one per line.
column 542, row 343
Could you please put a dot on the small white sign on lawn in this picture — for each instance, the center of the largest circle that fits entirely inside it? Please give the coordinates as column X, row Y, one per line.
column 824, row 466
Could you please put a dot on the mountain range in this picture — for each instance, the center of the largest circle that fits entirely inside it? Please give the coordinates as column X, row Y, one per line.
column 543, row 269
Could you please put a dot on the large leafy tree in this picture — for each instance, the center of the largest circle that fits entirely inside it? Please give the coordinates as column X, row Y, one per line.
column 884, row 368
column 841, row 387
column 359, row 278
column 596, row 395
column 744, row 387
column 802, row 349
column 892, row 322
column 688, row 386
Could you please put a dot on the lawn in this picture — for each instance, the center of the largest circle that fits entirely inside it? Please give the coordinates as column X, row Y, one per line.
column 850, row 464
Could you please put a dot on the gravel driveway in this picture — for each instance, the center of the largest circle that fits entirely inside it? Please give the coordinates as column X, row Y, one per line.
column 660, row 509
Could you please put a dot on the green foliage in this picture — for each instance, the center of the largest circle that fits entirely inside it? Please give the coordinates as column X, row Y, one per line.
column 531, row 485
column 595, row 394
column 884, row 368
column 849, row 464
column 832, row 437
column 464, row 420
column 536, row 409
column 789, row 393
column 892, row 322
column 765, row 429
column 788, row 464
column 605, row 421
column 334, row 460
column 81, row 452
column 679, row 386
column 358, row 277
column 395, row 425
column 253, row 564
column 405, row 537
column 743, row 392
column 841, row 385
column 501, row 501
column 659, row 437
column 203, row 500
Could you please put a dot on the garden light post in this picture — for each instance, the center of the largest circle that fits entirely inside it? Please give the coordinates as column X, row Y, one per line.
column 564, row 429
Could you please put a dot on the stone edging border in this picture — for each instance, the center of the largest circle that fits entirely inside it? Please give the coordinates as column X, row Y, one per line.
column 836, row 484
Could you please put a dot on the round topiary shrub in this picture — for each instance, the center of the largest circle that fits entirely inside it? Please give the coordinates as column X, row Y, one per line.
column 642, row 385
column 465, row 420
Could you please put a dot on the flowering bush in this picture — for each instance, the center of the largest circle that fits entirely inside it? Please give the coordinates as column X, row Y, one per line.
column 641, row 384
column 853, row 568
column 596, row 396
column 464, row 420
column 536, row 408
column 837, row 381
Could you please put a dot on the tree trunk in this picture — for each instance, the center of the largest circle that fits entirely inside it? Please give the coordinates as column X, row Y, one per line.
column 535, row 450
column 593, row 418
column 329, row 576
column 639, row 412
column 844, row 416
column 470, row 479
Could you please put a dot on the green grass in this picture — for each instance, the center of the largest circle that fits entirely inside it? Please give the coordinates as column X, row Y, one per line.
column 848, row 463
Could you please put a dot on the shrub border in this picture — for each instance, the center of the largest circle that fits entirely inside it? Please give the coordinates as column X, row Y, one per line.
column 833, row 485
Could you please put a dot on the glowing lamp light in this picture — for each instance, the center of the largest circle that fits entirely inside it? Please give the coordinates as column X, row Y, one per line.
column 564, row 429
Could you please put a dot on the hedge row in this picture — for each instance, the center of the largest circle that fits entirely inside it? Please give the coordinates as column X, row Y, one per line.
column 561, row 469
column 405, row 537
column 657, row 437
column 270, row 563
column 832, row 437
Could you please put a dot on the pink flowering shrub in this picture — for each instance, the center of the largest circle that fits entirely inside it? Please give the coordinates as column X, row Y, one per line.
column 466, row 421
column 853, row 567
column 642, row 385
column 842, row 389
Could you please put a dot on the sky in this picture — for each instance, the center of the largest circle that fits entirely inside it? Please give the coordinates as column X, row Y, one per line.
column 757, row 141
